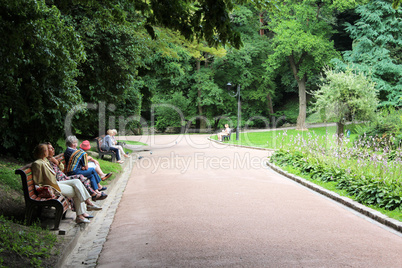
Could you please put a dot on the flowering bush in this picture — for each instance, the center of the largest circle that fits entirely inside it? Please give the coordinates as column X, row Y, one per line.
column 369, row 171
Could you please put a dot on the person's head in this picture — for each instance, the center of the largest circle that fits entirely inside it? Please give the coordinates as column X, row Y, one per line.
column 110, row 132
column 72, row 142
column 226, row 125
column 85, row 145
column 114, row 131
column 50, row 149
column 41, row 151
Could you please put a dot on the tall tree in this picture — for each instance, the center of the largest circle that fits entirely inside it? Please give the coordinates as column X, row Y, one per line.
column 301, row 39
column 377, row 49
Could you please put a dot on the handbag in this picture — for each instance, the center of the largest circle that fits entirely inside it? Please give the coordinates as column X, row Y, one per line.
column 45, row 192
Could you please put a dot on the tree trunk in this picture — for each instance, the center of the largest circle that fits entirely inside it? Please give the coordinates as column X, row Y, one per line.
column 339, row 131
column 202, row 123
column 301, row 82
column 270, row 109
column 301, row 119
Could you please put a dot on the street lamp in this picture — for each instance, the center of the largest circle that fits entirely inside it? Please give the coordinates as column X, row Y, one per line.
column 237, row 94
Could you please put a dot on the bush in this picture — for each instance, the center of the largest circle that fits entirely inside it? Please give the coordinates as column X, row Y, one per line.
column 385, row 129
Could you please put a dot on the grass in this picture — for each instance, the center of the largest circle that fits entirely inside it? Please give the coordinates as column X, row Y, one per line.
column 7, row 175
column 133, row 142
column 279, row 138
column 22, row 246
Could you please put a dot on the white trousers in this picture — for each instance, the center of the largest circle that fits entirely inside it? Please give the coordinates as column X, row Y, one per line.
column 75, row 190
column 121, row 150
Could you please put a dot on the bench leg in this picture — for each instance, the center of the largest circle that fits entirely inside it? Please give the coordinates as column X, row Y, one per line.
column 57, row 218
column 29, row 210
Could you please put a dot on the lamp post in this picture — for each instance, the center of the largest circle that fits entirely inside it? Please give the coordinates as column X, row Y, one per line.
column 232, row 94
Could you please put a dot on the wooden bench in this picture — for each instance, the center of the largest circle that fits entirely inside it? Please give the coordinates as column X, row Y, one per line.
column 32, row 201
column 101, row 152
column 227, row 137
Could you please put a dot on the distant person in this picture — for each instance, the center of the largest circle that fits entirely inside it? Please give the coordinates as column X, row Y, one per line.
column 114, row 141
column 108, row 145
column 224, row 132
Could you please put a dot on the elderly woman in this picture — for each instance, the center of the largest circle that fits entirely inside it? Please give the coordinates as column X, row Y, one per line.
column 60, row 176
column 114, row 141
column 77, row 163
column 44, row 174
column 108, row 145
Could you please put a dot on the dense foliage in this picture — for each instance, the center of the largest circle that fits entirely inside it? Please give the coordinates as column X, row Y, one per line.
column 377, row 49
column 81, row 67
column 39, row 58
column 345, row 96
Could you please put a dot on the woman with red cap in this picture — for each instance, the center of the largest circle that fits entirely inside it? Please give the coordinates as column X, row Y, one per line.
column 85, row 146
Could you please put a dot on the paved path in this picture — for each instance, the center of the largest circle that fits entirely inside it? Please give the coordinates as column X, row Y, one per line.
column 201, row 204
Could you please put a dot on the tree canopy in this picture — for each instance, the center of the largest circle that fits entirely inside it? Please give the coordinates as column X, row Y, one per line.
column 83, row 66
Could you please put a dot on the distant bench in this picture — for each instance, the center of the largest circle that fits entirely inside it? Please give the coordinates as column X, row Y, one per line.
column 227, row 137
column 102, row 152
column 32, row 201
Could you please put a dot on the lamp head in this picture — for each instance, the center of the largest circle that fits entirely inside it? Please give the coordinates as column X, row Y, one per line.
column 229, row 86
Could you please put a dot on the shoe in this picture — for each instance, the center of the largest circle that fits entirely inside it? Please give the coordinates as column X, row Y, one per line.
column 93, row 207
column 89, row 216
column 107, row 176
column 79, row 220
column 120, row 161
column 103, row 196
column 104, row 188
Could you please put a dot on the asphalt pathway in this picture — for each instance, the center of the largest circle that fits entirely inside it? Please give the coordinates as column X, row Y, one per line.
column 191, row 202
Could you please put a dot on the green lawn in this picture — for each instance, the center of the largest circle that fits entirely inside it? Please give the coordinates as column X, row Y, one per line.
column 280, row 138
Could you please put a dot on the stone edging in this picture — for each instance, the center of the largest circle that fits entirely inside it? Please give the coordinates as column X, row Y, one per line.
column 371, row 213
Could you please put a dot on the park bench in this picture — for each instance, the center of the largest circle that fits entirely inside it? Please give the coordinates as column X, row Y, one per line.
column 227, row 137
column 102, row 152
column 32, row 201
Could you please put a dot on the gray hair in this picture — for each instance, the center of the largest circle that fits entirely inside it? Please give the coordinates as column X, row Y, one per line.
column 70, row 140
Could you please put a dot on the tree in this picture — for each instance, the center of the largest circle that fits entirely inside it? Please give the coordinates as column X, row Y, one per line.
column 38, row 73
column 301, row 39
column 377, row 49
column 345, row 96
column 244, row 67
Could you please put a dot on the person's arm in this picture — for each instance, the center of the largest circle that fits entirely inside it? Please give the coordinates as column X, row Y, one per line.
column 91, row 159
column 83, row 162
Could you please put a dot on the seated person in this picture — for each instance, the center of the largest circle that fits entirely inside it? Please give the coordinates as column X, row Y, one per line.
column 77, row 163
column 60, row 176
column 43, row 174
column 112, row 134
column 224, row 132
column 92, row 163
column 107, row 145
